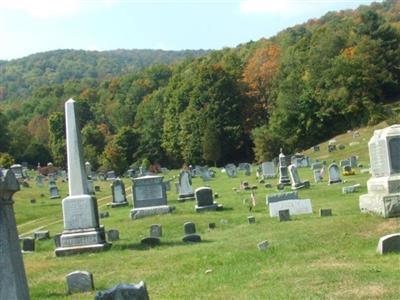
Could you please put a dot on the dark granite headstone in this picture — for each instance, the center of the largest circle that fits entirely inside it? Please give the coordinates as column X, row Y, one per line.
column 79, row 282
column 113, row 235
column 325, row 212
column 284, row 215
column 28, row 245
column 389, row 243
column 124, row 292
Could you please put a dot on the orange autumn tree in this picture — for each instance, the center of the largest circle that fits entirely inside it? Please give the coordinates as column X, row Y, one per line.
column 259, row 74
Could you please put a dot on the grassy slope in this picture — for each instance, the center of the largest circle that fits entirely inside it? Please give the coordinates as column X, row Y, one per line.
column 309, row 257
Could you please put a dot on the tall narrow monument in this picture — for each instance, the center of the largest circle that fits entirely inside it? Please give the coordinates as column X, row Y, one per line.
column 283, row 170
column 13, row 284
column 82, row 231
column 383, row 196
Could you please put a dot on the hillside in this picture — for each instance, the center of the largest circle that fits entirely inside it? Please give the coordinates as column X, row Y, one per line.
column 308, row 258
column 20, row 77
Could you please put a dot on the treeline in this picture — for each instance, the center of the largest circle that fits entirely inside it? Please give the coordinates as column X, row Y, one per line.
column 302, row 86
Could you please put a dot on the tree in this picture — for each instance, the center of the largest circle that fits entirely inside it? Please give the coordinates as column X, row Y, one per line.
column 211, row 143
column 57, row 139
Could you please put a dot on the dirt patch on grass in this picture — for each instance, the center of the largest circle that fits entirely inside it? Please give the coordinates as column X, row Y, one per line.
column 370, row 291
column 330, row 263
column 387, row 227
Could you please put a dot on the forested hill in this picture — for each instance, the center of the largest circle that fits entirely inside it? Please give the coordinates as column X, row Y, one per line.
column 298, row 88
column 19, row 77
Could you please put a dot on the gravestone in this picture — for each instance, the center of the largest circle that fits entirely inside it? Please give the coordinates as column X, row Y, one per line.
column 204, row 173
column 351, row 189
column 291, row 201
column 185, row 186
column 353, row 161
column 13, row 283
column 284, row 215
column 283, row 170
column 57, row 240
column 88, row 168
column 262, row 246
column 383, row 195
column 118, row 193
column 17, row 170
column 149, row 197
column 316, row 166
column 296, row 182
column 113, row 235
column 79, row 282
column 268, row 170
column 64, row 175
column 28, row 245
column 82, row 231
column 389, row 243
column 41, row 235
column 251, row 220
column 39, row 180
column 111, row 175
column 53, row 189
column 154, row 238
column 317, row 176
column 325, row 212
column 316, row 148
column 344, row 163
column 246, row 167
column 211, row 225
column 124, row 292
column 334, row 174
column 167, row 185
column 205, row 200
column 231, row 170
column 190, row 233
column 156, row 230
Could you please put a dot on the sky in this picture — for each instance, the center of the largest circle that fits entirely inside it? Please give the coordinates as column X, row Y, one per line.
column 31, row 26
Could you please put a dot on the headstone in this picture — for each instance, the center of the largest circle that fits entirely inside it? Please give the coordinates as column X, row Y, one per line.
column 41, row 235
column 88, row 168
column 104, row 214
column 13, row 283
column 97, row 188
column 289, row 201
column 351, row 189
column 149, row 197
column 246, row 168
column 118, row 193
column 64, row 175
column 113, row 235
column 39, row 180
column 28, row 245
column 317, row 176
column 294, row 176
column 325, row 212
column 57, row 240
column 345, row 162
column 204, row 173
column 316, row 148
column 211, row 225
column 268, row 170
column 79, row 282
column 185, row 186
column 154, row 238
column 156, row 230
column 389, row 243
column 167, row 185
column 190, row 233
column 334, row 174
column 111, row 175
column 124, row 292
column 316, row 166
column 231, row 170
column 262, row 246
column 284, row 215
column 251, row 220
column 33, row 201
column 383, row 195
column 82, row 231
column 53, row 189
column 353, row 161
column 17, row 170
column 283, row 170
column 205, row 200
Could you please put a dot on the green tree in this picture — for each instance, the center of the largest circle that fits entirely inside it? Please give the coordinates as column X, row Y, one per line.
column 211, row 143
column 57, row 139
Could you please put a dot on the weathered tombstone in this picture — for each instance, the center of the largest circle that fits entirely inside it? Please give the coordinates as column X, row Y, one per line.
column 82, row 231
column 317, row 176
column 334, row 174
column 39, row 180
column 204, row 173
column 149, row 197
column 262, row 246
column 246, row 167
column 284, row 215
column 283, row 170
column 211, row 225
column 17, row 170
column 33, row 201
column 57, row 240
column 384, row 186
column 268, row 170
column 88, row 168
column 79, row 282
column 118, row 193
column 111, row 175
column 113, row 235
column 389, row 243
column 353, row 161
column 351, row 189
column 52, row 177
column 154, row 238
column 124, row 292
column 53, row 189
column 185, row 186
column 291, row 201
column 345, row 162
column 205, row 200
column 156, row 230
column 251, row 220
column 64, row 175
column 167, row 185
column 296, row 182
column 231, row 170
column 13, row 283
column 316, row 148
column 28, row 245
column 190, row 233
column 325, row 212
column 104, row 214
column 316, row 166
column 41, row 235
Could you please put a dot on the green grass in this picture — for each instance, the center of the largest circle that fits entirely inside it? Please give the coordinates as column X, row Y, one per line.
column 309, row 257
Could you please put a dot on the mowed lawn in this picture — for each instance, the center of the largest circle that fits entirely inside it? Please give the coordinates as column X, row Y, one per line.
column 309, row 257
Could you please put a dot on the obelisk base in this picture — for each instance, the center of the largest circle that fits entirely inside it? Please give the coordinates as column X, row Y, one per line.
column 81, row 241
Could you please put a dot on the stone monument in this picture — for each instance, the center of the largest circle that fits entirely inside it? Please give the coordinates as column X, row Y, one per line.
column 383, row 195
column 118, row 193
column 82, row 231
column 149, row 197
column 13, row 283
column 283, row 170
column 185, row 186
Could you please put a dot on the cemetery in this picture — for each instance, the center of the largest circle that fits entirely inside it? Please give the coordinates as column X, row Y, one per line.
column 338, row 249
